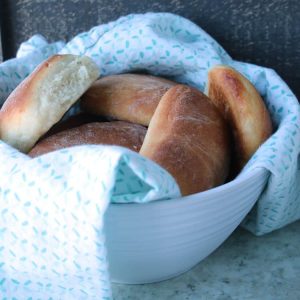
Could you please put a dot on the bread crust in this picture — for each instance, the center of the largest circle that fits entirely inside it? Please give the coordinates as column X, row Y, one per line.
column 119, row 133
column 243, row 109
column 189, row 138
column 73, row 121
column 127, row 97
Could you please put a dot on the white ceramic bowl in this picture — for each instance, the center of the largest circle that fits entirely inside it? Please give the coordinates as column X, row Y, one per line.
column 159, row 240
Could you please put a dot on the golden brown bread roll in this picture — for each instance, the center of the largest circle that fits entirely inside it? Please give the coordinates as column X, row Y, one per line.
column 188, row 137
column 43, row 98
column 127, row 97
column 243, row 108
column 109, row 133
column 73, row 121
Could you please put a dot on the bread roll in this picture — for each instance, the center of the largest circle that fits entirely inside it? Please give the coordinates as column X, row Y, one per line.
column 109, row 133
column 127, row 97
column 243, row 108
column 189, row 138
column 73, row 121
column 43, row 97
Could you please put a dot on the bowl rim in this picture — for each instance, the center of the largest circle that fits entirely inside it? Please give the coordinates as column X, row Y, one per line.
column 243, row 177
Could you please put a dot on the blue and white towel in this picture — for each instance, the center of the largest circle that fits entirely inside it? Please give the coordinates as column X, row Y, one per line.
column 57, row 201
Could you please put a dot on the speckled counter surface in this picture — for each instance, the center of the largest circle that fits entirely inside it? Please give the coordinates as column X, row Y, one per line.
column 244, row 267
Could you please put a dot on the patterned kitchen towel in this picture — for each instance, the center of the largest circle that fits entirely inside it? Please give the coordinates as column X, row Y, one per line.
column 51, row 217
column 39, row 196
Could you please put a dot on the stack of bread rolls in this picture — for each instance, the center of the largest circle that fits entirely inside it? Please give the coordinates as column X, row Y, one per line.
column 199, row 139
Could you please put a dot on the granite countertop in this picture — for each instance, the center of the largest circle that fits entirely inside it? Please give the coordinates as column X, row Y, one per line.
column 244, row 267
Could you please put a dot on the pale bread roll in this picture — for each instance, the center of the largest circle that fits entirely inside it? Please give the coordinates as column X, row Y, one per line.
column 243, row 108
column 127, row 97
column 43, row 98
column 189, row 138
column 119, row 133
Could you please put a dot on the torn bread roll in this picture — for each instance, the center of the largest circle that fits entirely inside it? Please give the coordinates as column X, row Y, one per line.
column 243, row 109
column 119, row 133
column 127, row 97
column 43, row 97
column 189, row 138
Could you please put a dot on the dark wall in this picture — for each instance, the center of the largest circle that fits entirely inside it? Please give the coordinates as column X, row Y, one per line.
column 265, row 32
